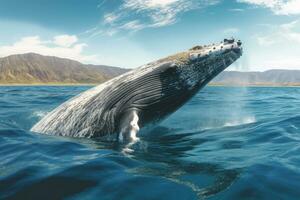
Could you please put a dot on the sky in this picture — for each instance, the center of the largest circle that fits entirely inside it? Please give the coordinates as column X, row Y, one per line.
column 130, row 33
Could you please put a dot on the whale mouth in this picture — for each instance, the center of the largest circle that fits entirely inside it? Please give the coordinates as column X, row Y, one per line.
column 237, row 52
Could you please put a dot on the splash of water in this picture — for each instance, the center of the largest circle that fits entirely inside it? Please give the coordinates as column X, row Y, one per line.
column 245, row 120
column 39, row 114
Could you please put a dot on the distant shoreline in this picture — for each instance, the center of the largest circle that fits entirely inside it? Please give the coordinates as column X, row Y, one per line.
column 254, row 85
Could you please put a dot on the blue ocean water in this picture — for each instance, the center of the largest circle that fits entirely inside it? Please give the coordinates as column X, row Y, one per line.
column 226, row 143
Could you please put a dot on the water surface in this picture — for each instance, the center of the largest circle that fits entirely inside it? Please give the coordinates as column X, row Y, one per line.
column 226, row 143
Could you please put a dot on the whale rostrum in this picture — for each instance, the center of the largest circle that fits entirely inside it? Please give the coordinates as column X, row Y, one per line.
column 120, row 107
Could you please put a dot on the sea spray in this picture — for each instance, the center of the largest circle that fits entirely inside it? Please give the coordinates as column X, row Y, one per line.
column 240, row 114
column 39, row 114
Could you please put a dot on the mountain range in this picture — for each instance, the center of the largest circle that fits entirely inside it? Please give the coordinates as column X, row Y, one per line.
column 31, row 68
column 267, row 78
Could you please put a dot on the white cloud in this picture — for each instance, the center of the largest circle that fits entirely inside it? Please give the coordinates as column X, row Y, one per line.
column 146, row 4
column 64, row 46
column 279, row 7
column 278, row 47
column 288, row 31
column 283, row 63
column 291, row 7
column 110, row 18
column 133, row 25
column 134, row 15
column 236, row 10
column 65, row 40
column 159, row 13
column 265, row 41
column 281, row 34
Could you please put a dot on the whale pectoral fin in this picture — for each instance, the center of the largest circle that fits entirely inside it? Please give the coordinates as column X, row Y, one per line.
column 129, row 127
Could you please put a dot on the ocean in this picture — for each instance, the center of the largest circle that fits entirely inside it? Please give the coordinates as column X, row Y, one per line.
column 226, row 143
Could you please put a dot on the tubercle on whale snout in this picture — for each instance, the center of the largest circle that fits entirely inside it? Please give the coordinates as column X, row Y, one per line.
column 203, row 52
column 149, row 93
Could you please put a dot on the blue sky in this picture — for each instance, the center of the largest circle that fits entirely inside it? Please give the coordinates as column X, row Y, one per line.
column 129, row 33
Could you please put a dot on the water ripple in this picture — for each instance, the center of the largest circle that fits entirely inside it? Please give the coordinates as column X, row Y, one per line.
column 226, row 143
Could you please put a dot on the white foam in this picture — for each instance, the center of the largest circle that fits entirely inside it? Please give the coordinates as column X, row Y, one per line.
column 40, row 114
column 245, row 120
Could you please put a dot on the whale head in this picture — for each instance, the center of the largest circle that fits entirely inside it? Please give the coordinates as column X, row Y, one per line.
column 227, row 51
column 182, row 75
column 201, row 64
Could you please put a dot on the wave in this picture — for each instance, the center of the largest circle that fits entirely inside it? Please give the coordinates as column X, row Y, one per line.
column 251, row 150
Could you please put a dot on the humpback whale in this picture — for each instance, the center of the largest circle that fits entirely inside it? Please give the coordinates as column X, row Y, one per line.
column 120, row 107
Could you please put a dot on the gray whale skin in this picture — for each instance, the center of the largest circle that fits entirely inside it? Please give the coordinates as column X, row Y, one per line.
column 120, row 107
